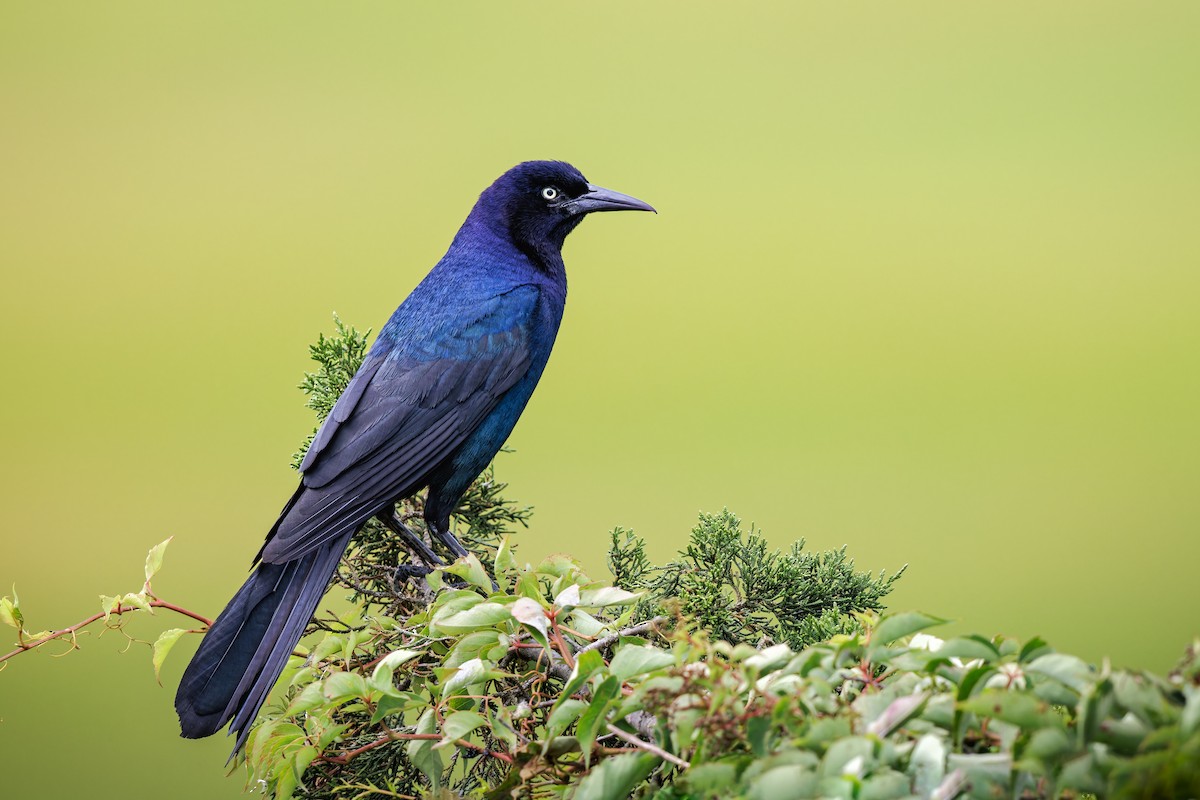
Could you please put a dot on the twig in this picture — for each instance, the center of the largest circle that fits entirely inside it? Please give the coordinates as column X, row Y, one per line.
column 649, row 748
column 367, row 791
column 613, row 638
column 345, row 757
column 392, row 736
column 70, row 631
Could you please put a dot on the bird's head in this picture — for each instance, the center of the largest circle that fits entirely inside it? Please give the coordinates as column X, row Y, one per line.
column 538, row 203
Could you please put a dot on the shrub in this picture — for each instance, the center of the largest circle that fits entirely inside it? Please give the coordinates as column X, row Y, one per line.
column 731, row 671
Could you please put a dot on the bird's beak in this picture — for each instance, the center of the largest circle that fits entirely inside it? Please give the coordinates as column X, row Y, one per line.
column 597, row 198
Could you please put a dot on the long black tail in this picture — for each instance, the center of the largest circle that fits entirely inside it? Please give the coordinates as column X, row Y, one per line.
column 247, row 647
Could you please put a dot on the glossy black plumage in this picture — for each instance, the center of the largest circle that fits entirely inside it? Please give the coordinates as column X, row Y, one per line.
column 436, row 397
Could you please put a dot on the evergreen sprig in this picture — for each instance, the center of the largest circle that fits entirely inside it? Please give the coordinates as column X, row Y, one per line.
column 338, row 358
column 739, row 590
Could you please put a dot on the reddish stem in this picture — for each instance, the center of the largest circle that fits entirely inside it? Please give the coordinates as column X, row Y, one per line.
column 25, row 646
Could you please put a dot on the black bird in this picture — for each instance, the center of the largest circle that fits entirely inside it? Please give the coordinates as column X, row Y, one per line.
column 432, row 403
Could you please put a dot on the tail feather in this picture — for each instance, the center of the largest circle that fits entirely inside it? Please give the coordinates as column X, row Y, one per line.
column 246, row 649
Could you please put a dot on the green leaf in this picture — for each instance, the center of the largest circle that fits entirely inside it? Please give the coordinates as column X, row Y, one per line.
column 586, row 624
column 453, row 600
column 343, row 685
column 312, row 696
column 566, row 712
column 469, row 569
column 1125, row 736
column 1067, row 670
column 285, row 787
column 436, row 581
column 616, row 778
column 458, row 725
column 470, row 673
column 927, row 764
column 968, row 648
column 568, row 597
column 394, row 704
column 330, row 644
column 109, row 605
column 607, row 596
column 758, row 734
column 713, row 779
column 825, row 731
column 966, row 687
column 1034, row 648
column 898, row 712
column 1083, row 774
column 10, row 611
column 1049, row 744
column 884, row 784
column 421, row 753
column 302, row 758
column 842, row 752
column 1189, row 722
column 505, row 561
column 1018, row 708
column 594, row 715
column 586, row 665
column 162, row 646
column 473, row 645
column 558, row 565
column 1137, row 695
column 527, row 586
column 771, row 658
column 986, row 773
column 897, row 626
column 530, row 613
column 137, row 600
column 787, row 782
column 480, row 616
column 631, row 660
column 381, row 677
column 504, row 728
column 154, row 558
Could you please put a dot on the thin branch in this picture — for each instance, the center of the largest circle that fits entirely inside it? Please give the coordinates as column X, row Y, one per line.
column 392, row 736
column 177, row 609
column 70, row 631
column 613, row 638
column 649, row 748
column 345, row 757
column 367, row 791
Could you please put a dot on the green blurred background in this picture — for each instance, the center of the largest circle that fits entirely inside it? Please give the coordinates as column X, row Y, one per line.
column 924, row 282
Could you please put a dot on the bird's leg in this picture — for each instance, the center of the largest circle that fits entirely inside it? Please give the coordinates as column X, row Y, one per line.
column 415, row 544
column 441, row 532
column 418, row 547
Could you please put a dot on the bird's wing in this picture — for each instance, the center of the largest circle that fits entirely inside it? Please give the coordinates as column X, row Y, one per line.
column 342, row 409
column 403, row 413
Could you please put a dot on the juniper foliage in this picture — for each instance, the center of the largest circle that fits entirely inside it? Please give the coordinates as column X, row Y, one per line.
column 338, row 358
column 740, row 591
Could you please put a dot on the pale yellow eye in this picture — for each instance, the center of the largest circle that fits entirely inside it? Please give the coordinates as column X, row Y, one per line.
column 550, row 193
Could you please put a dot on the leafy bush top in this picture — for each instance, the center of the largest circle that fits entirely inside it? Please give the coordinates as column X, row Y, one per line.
column 732, row 671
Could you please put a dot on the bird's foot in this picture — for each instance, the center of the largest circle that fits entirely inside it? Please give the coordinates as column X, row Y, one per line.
column 442, row 534
column 404, row 572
